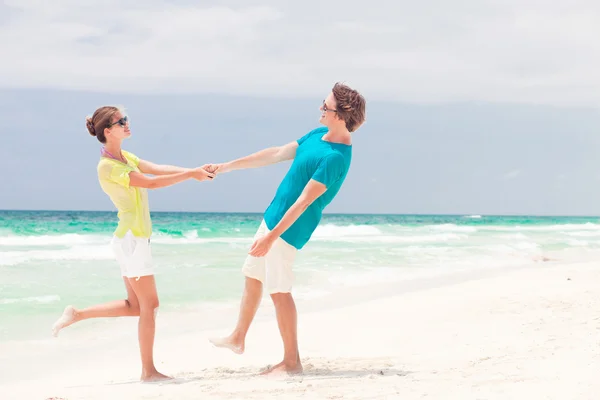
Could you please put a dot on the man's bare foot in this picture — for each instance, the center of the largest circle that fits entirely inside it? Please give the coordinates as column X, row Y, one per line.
column 283, row 369
column 154, row 376
column 66, row 319
column 228, row 343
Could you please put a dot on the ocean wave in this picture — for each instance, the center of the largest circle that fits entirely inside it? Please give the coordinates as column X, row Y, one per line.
column 542, row 228
column 83, row 246
column 587, row 227
column 514, row 236
column 33, row 299
column 526, row 246
column 331, row 230
column 196, row 240
column 444, row 237
column 582, row 233
column 73, row 240
column 69, row 239
column 575, row 242
column 325, row 232
column 85, row 253
column 451, row 228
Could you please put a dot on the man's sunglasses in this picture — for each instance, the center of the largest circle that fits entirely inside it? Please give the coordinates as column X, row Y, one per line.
column 325, row 108
column 123, row 121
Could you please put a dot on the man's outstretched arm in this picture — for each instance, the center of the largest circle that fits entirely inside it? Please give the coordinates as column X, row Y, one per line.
column 261, row 158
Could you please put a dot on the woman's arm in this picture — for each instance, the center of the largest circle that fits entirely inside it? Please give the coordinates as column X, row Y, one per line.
column 138, row 179
column 148, row 167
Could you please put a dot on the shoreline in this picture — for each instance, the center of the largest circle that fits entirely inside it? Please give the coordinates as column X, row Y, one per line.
column 526, row 332
column 307, row 299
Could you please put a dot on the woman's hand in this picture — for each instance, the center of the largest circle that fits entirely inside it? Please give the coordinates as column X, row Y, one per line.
column 216, row 168
column 201, row 174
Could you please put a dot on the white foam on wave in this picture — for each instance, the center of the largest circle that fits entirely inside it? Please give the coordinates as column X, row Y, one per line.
column 372, row 234
column 75, row 241
column 197, row 240
column 193, row 234
column 451, row 228
column 34, row 299
column 330, row 230
column 583, row 233
column 517, row 236
column 444, row 237
column 424, row 250
column 544, row 228
column 575, row 242
column 52, row 240
column 508, row 248
column 85, row 253
column 526, row 246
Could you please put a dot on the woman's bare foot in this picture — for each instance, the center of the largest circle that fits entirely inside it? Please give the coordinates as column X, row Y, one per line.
column 154, row 376
column 67, row 318
column 228, row 343
column 283, row 368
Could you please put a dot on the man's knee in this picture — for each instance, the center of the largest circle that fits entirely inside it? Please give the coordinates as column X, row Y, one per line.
column 279, row 297
column 254, row 282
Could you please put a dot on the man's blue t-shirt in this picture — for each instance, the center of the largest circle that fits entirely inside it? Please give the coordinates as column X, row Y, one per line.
column 317, row 159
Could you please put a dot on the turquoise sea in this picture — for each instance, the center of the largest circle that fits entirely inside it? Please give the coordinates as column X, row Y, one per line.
column 49, row 259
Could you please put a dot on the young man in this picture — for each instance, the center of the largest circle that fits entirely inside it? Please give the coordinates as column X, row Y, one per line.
column 321, row 161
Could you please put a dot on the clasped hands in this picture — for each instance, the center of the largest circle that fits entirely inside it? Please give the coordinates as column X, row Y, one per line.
column 207, row 171
column 261, row 246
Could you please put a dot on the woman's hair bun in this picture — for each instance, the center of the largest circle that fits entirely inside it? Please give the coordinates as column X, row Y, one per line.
column 90, row 126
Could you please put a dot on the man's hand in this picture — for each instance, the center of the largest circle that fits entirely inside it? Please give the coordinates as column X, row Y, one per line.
column 216, row 168
column 202, row 174
column 261, row 246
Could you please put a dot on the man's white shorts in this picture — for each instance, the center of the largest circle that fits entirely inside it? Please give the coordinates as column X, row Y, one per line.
column 274, row 270
column 134, row 255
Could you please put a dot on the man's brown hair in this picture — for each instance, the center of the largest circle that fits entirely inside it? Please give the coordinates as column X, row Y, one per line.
column 350, row 106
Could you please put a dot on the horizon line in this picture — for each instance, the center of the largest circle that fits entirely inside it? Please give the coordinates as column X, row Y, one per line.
column 325, row 213
column 305, row 97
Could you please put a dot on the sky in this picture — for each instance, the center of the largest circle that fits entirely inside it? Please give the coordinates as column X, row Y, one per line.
column 474, row 106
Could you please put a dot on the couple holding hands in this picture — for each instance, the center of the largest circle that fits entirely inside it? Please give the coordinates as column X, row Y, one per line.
column 321, row 160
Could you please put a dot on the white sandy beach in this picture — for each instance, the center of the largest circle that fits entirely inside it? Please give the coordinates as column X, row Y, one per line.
column 531, row 333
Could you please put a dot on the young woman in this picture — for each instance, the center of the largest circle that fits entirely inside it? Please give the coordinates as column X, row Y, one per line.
column 123, row 178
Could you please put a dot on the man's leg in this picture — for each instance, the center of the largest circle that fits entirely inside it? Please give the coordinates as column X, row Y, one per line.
column 254, row 271
column 287, row 319
column 280, row 279
column 249, row 305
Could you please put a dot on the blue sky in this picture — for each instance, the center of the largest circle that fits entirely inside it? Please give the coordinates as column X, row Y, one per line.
column 474, row 107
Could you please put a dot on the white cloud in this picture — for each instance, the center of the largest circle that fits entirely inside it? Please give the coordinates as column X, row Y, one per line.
column 465, row 50
column 512, row 174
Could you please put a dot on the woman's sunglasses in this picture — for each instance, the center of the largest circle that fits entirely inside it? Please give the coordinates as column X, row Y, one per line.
column 123, row 121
